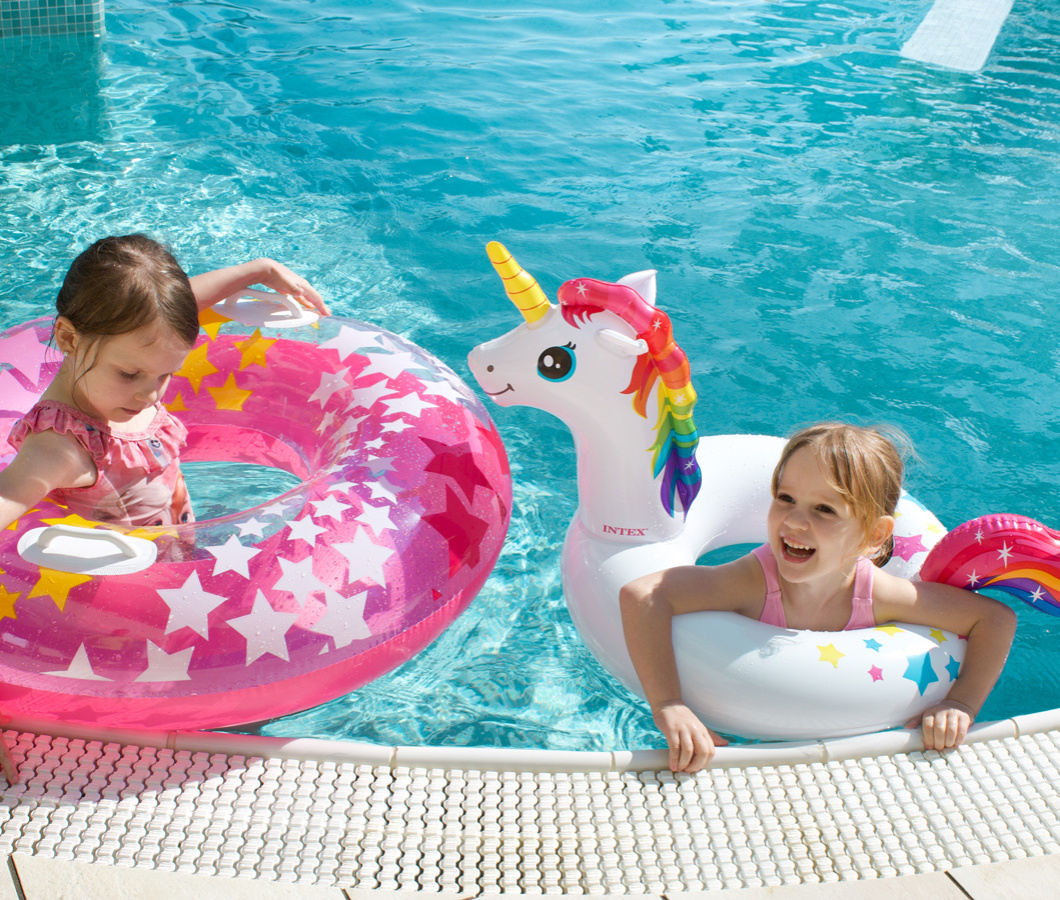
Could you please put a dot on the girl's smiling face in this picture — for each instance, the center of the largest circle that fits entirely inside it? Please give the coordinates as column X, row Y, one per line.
column 117, row 378
column 813, row 531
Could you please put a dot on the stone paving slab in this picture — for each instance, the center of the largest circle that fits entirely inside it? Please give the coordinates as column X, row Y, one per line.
column 41, row 878
column 1018, row 879
column 30, row 877
column 933, row 886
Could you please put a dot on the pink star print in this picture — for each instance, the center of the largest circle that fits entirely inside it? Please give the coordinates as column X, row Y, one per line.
column 908, row 547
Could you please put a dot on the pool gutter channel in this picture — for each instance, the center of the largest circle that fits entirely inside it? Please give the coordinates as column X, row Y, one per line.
column 884, row 743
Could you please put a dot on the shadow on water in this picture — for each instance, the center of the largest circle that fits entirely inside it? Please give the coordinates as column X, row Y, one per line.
column 52, row 90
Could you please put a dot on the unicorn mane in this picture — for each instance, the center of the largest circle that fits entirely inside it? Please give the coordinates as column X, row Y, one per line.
column 674, row 451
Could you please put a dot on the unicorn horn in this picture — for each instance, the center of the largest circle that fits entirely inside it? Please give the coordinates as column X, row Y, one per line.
column 520, row 285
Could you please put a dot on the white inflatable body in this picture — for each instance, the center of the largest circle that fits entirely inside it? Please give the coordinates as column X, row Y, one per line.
column 741, row 676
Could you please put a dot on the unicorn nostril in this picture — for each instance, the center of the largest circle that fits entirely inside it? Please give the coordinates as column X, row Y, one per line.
column 489, row 368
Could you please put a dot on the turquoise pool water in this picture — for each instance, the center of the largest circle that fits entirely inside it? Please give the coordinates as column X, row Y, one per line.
column 838, row 232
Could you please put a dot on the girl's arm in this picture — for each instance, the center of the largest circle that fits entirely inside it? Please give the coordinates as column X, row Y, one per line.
column 648, row 606
column 989, row 627
column 45, row 462
column 212, row 287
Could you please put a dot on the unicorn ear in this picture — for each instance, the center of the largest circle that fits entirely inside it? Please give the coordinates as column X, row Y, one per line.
column 621, row 345
column 643, row 283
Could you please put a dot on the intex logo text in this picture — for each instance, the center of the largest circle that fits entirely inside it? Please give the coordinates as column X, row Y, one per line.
column 626, row 532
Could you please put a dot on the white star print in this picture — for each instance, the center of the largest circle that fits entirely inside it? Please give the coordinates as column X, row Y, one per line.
column 377, row 518
column 351, row 425
column 380, row 491
column 342, row 487
column 298, row 578
column 1004, row 553
column 330, row 507
column 397, row 426
column 973, row 579
column 344, row 619
column 190, row 606
column 350, row 341
column 232, row 556
column 330, row 384
column 326, row 422
column 581, row 287
column 367, row 397
column 366, row 558
column 162, row 666
column 80, row 667
column 275, row 509
column 251, row 526
column 379, row 464
column 265, row 630
column 305, row 529
column 391, row 364
column 409, row 405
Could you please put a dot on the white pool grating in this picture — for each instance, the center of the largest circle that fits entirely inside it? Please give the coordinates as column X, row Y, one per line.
column 470, row 832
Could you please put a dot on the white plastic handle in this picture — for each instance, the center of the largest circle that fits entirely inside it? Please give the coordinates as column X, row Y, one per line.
column 265, row 309
column 123, row 545
column 289, row 303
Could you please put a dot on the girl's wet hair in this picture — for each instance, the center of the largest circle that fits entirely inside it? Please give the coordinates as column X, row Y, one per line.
column 864, row 466
column 120, row 284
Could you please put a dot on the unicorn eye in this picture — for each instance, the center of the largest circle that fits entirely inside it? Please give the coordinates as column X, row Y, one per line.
column 556, row 363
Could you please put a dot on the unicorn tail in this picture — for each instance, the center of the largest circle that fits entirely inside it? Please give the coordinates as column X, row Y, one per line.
column 1008, row 553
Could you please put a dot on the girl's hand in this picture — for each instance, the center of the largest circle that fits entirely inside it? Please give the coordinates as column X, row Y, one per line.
column 691, row 742
column 945, row 725
column 278, row 277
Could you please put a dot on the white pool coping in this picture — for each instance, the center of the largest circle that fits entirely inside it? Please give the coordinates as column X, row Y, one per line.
column 499, row 759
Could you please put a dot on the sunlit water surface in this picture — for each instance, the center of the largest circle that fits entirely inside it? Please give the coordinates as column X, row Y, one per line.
column 838, row 233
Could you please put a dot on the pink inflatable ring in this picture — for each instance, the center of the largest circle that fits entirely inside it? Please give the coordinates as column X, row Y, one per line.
column 399, row 518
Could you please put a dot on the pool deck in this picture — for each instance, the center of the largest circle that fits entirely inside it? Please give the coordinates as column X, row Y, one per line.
column 211, row 816
column 39, row 878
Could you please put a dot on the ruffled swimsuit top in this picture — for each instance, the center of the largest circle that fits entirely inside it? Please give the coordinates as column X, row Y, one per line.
column 138, row 481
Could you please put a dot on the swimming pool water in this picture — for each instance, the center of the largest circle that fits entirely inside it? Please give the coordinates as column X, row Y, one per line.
column 838, row 232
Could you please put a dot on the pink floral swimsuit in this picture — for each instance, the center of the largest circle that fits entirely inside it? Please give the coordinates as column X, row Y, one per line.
column 138, row 481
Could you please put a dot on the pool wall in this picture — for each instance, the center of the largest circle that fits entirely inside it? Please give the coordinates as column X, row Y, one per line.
column 26, row 18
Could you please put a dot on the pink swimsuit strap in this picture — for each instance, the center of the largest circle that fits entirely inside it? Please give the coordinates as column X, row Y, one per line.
column 773, row 612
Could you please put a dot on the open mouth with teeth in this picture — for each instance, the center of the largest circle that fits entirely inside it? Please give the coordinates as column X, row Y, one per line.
column 796, row 551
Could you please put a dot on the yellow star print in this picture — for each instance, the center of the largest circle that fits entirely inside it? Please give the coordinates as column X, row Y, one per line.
column 7, row 603
column 197, row 367
column 829, row 653
column 253, row 349
column 72, row 519
column 892, row 630
column 57, row 585
column 938, row 634
column 210, row 321
column 230, row 395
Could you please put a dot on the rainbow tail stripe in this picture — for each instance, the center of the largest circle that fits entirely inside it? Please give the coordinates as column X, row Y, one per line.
column 1003, row 552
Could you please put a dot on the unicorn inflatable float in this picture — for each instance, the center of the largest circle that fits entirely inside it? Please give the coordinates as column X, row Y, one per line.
column 654, row 494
